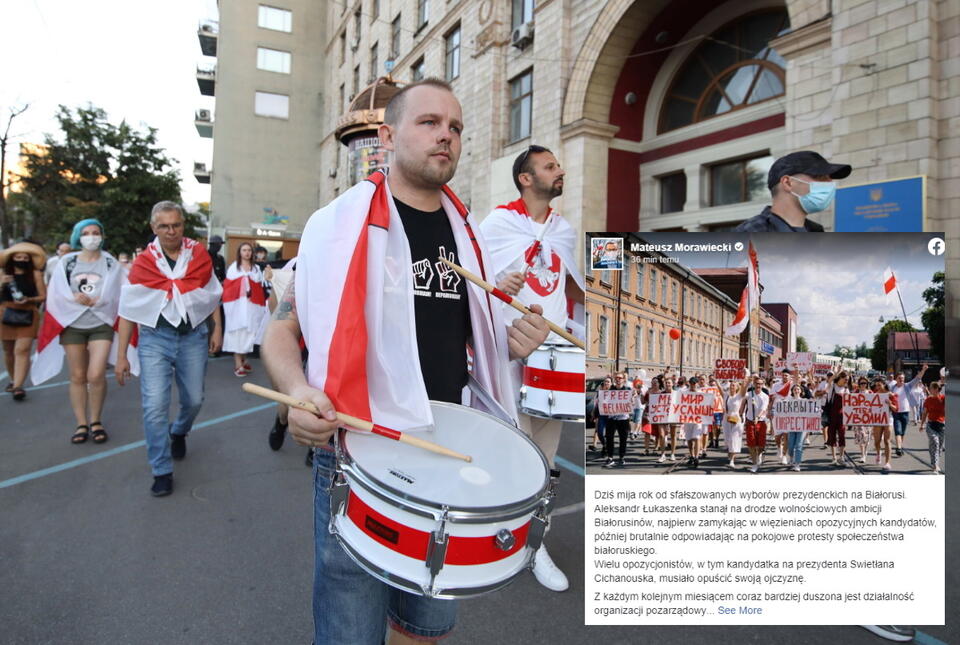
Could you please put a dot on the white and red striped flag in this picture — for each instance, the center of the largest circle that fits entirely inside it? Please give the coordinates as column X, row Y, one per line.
column 753, row 279
column 188, row 291
column 355, row 303
column 62, row 310
column 889, row 281
column 743, row 315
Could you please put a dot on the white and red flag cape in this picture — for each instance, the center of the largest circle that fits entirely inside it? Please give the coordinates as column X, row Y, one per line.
column 511, row 234
column 355, row 303
column 188, row 291
column 245, row 301
column 62, row 310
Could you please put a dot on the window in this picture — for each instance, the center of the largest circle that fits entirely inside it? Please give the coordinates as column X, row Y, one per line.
column 622, row 341
column 625, row 278
column 453, row 54
column 653, row 286
column 423, row 13
column 730, row 70
column 663, row 351
column 673, row 192
column 521, row 106
column 637, row 337
column 663, row 291
column 273, row 18
column 273, row 60
column 605, row 276
column 343, row 47
column 375, row 10
column 650, row 345
column 356, row 26
column 673, row 296
column 744, row 180
column 418, row 70
column 274, row 105
column 522, row 12
column 395, row 38
column 356, row 82
column 699, row 308
column 343, row 100
column 374, row 61
column 602, row 335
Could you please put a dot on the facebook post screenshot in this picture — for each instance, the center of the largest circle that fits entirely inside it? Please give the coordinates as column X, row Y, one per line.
column 764, row 437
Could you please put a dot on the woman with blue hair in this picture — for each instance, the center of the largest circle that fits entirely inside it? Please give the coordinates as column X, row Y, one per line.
column 82, row 302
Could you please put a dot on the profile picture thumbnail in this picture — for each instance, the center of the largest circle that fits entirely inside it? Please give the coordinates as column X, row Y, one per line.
column 606, row 253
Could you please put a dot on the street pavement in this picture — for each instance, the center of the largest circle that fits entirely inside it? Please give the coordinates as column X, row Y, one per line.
column 87, row 556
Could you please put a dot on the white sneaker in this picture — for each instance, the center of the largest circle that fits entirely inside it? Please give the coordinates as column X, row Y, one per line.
column 547, row 573
column 663, row 458
column 886, row 466
column 796, row 468
column 754, row 468
column 673, row 457
column 784, row 460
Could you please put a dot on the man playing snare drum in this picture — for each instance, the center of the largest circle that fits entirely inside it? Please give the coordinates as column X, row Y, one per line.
column 380, row 343
column 533, row 255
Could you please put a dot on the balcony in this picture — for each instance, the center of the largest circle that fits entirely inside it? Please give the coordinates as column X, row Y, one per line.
column 201, row 173
column 203, row 119
column 207, row 33
column 207, row 80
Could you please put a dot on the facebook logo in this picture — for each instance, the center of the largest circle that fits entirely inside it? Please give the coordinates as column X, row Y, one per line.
column 936, row 246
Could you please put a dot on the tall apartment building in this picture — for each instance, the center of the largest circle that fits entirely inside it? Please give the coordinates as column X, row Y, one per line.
column 267, row 125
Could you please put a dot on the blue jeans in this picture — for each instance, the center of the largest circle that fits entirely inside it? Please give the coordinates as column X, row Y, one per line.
column 165, row 355
column 795, row 446
column 900, row 421
column 351, row 607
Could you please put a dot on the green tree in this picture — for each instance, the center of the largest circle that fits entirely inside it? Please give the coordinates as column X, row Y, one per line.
column 879, row 355
column 932, row 316
column 862, row 350
column 802, row 345
column 94, row 168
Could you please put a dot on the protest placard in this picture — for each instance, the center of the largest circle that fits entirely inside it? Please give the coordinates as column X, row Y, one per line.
column 796, row 415
column 866, row 409
column 802, row 361
column 693, row 407
column 729, row 369
column 821, row 369
column 660, row 406
column 612, row 402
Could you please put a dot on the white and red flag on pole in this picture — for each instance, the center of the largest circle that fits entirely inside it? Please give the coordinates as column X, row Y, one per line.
column 188, row 291
column 355, row 302
column 889, row 281
column 62, row 310
column 753, row 279
column 743, row 315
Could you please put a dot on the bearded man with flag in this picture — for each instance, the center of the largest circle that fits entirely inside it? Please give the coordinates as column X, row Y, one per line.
column 172, row 292
column 387, row 327
column 532, row 248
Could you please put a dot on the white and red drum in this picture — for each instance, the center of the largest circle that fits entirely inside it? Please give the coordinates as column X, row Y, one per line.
column 552, row 384
column 435, row 525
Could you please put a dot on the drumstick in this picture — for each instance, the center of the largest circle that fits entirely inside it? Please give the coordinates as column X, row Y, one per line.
column 513, row 302
column 360, row 424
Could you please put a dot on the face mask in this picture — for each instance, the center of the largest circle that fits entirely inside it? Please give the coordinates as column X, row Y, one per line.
column 819, row 198
column 90, row 242
column 22, row 264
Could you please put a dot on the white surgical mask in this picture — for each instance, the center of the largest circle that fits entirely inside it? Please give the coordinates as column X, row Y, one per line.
column 90, row 242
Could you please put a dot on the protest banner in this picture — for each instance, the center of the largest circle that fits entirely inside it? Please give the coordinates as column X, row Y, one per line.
column 802, row 361
column 796, row 415
column 692, row 407
column 729, row 369
column 866, row 409
column 717, row 397
column 660, row 405
column 779, row 366
column 612, row 402
column 821, row 369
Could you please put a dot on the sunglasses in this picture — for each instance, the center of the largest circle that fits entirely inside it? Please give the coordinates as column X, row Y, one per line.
column 523, row 159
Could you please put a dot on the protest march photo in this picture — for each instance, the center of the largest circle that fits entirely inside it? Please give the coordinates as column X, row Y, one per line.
column 762, row 355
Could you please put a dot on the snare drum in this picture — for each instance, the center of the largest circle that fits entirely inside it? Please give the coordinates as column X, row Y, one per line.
column 553, row 385
column 438, row 526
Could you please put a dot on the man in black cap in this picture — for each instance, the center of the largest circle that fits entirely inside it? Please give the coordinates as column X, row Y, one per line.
column 219, row 264
column 800, row 185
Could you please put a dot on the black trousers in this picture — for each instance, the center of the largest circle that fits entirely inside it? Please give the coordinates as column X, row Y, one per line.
column 620, row 427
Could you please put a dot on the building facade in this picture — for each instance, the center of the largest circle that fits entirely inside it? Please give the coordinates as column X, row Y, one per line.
column 907, row 351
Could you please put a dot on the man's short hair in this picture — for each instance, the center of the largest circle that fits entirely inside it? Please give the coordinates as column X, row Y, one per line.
column 522, row 163
column 394, row 109
column 160, row 207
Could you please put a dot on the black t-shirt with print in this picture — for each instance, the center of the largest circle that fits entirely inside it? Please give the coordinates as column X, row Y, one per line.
column 441, row 308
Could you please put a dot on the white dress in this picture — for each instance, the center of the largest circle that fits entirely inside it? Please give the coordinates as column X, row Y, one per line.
column 245, row 322
column 733, row 432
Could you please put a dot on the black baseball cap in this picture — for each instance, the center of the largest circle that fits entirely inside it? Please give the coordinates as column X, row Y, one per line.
column 806, row 162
